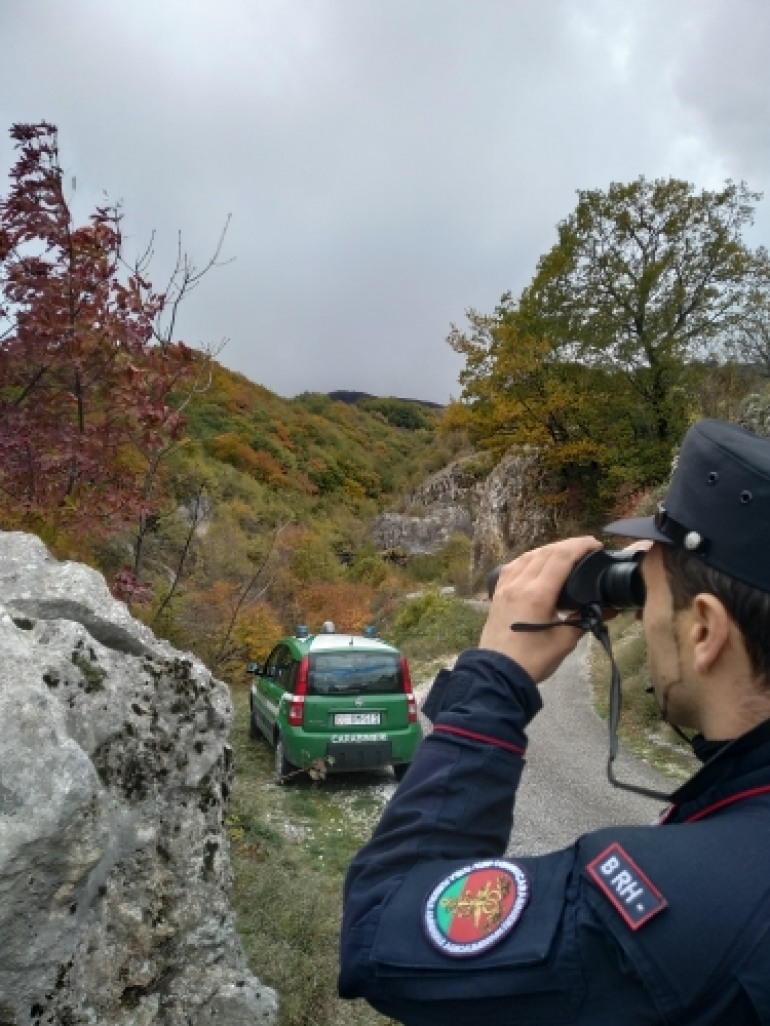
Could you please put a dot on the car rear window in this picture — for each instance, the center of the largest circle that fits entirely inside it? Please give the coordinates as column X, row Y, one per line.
column 354, row 673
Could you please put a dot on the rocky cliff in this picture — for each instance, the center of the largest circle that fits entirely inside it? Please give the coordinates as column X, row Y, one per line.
column 115, row 772
column 500, row 508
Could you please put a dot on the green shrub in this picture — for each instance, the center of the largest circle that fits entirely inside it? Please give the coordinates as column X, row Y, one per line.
column 368, row 568
column 449, row 566
column 433, row 625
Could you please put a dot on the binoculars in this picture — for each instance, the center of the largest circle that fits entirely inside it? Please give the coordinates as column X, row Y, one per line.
column 611, row 580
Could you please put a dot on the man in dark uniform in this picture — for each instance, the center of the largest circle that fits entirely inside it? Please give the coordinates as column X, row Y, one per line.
column 667, row 923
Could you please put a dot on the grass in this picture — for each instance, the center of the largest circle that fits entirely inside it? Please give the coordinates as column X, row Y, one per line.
column 641, row 729
column 290, row 849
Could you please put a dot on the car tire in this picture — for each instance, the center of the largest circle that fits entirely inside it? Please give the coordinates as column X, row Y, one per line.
column 399, row 769
column 285, row 771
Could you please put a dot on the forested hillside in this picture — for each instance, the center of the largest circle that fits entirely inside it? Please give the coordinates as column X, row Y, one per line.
column 259, row 517
column 270, row 502
column 331, row 451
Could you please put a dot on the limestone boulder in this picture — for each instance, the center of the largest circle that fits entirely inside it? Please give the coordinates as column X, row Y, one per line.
column 114, row 780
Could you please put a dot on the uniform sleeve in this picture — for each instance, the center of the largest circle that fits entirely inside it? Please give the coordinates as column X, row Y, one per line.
column 441, row 929
column 453, row 815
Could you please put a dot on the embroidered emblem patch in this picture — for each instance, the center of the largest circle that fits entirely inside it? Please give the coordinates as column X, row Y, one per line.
column 620, row 879
column 475, row 907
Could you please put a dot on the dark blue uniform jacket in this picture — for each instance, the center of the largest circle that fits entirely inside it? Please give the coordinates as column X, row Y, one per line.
column 667, row 923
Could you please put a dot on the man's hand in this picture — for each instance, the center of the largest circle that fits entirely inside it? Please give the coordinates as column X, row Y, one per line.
column 526, row 592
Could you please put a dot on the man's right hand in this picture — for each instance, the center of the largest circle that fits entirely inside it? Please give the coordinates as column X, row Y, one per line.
column 526, row 592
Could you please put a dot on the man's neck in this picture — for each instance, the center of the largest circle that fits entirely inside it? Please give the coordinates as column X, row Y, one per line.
column 738, row 709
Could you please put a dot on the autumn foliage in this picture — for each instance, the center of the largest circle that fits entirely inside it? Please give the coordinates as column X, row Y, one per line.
column 84, row 386
column 222, row 530
column 626, row 334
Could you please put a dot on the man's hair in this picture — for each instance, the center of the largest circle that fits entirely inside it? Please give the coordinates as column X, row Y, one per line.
column 749, row 607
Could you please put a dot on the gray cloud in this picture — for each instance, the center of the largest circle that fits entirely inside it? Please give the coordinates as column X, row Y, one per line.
column 387, row 163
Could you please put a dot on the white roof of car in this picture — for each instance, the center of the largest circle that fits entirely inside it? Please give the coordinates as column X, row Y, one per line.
column 339, row 641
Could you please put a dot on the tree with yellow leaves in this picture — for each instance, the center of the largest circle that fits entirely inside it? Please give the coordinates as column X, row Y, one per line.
column 600, row 362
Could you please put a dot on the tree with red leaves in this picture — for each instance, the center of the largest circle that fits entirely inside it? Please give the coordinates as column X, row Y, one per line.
column 84, row 379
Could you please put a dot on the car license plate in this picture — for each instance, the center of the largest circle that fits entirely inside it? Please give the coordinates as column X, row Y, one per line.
column 362, row 719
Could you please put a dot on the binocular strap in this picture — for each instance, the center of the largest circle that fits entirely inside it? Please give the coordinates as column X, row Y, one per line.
column 591, row 621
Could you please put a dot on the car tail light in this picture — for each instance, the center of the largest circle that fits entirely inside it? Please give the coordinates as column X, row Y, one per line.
column 296, row 715
column 406, row 684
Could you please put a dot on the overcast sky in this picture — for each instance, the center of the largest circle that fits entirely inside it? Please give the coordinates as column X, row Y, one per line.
column 387, row 163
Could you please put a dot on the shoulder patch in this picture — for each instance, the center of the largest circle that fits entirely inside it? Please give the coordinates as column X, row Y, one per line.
column 631, row 892
column 474, row 908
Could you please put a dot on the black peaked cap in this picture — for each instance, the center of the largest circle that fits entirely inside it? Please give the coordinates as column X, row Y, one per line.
column 717, row 503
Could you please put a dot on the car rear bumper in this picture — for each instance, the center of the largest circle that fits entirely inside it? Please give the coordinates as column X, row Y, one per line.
column 355, row 751
column 346, row 756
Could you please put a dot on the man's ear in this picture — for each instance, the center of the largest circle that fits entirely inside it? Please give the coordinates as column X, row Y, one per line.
column 710, row 628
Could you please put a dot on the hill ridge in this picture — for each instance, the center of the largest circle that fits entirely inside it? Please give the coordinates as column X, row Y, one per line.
column 351, row 396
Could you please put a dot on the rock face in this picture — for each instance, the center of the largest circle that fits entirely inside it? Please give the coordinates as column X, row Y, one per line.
column 417, row 535
column 115, row 772
column 754, row 414
column 501, row 510
column 511, row 516
column 439, row 508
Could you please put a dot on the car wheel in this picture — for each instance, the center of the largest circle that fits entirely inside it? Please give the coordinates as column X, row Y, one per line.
column 285, row 771
column 400, row 768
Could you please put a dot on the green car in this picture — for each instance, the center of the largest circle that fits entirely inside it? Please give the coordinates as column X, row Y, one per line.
column 343, row 699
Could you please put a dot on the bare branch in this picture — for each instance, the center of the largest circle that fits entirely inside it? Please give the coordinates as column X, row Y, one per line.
column 243, row 596
column 184, row 278
column 195, row 520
